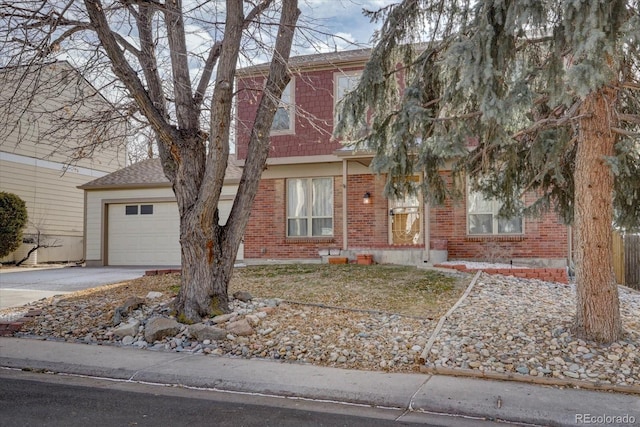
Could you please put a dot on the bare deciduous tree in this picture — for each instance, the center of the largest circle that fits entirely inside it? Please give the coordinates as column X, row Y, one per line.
column 144, row 53
column 39, row 240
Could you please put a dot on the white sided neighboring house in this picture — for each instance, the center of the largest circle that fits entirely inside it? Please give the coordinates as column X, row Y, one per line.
column 43, row 158
column 131, row 216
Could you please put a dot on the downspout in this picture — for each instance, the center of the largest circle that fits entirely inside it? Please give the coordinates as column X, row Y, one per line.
column 345, row 244
column 427, row 233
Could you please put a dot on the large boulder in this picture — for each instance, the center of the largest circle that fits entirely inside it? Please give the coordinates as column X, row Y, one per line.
column 240, row 328
column 158, row 328
column 129, row 305
column 223, row 318
column 129, row 328
column 243, row 296
column 203, row 332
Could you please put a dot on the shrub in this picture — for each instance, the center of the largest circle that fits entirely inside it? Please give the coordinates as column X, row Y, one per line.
column 13, row 219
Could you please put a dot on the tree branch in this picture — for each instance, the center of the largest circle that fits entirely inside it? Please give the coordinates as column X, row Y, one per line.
column 257, row 10
column 186, row 114
column 629, row 118
column 550, row 122
column 624, row 132
column 128, row 46
column 124, row 71
column 259, row 139
column 209, row 65
column 216, row 49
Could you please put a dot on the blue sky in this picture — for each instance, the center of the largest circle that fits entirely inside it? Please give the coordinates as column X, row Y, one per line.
column 343, row 18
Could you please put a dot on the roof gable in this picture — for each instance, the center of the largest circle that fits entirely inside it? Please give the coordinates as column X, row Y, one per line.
column 148, row 173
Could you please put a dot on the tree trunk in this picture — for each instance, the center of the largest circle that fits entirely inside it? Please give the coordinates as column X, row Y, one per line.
column 207, row 260
column 598, row 306
column 209, row 249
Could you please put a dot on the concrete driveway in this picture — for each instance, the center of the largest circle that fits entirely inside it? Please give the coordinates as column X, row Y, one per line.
column 21, row 286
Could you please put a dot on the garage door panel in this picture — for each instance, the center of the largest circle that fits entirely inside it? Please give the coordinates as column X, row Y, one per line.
column 150, row 239
column 224, row 209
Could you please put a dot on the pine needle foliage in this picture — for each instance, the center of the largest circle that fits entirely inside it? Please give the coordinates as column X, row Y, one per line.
column 494, row 89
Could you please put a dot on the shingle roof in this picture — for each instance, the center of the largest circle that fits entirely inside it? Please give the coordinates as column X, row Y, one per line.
column 316, row 59
column 149, row 173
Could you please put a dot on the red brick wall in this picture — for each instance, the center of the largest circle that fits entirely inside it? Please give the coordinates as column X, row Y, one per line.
column 265, row 236
column 368, row 224
column 313, row 120
column 547, row 274
column 266, row 233
column 545, row 237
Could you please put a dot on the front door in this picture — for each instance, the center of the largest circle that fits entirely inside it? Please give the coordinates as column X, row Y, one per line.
column 405, row 222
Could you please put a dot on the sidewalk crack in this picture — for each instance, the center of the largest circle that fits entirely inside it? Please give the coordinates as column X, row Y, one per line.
column 132, row 378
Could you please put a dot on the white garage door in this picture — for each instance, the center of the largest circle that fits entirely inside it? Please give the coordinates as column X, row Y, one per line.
column 144, row 234
column 149, row 233
column 224, row 207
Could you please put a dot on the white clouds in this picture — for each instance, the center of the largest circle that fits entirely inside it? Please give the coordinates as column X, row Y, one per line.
column 340, row 24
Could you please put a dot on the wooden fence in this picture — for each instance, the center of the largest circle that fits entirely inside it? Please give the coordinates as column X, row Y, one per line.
column 626, row 259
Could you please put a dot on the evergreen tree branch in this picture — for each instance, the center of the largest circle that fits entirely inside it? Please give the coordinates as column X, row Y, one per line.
column 629, row 118
column 624, row 132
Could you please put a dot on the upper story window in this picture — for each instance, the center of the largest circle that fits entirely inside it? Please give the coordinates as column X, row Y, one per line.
column 482, row 217
column 310, row 207
column 343, row 83
column 283, row 120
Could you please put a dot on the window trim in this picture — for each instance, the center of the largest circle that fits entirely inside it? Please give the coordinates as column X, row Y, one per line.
column 336, row 80
column 309, row 205
column 290, row 106
column 495, row 208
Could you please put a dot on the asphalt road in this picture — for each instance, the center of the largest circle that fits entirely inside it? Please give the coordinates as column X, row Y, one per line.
column 28, row 399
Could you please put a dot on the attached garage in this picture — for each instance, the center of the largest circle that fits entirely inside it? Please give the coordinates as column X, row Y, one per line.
column 131, row 217
column 143, row 234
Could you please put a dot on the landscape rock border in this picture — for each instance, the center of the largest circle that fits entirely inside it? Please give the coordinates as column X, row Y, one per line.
column 10, row 327
column 470, row 373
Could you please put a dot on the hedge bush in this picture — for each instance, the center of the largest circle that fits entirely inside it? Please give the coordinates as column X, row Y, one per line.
column 13, row 219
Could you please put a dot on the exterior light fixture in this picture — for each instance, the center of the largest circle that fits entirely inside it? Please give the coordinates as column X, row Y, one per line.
column 366, row 199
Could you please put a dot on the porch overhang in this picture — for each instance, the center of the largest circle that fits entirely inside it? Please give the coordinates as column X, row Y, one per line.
column 364, row 157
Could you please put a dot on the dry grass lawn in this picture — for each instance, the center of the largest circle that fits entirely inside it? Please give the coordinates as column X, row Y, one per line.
column 393, row 289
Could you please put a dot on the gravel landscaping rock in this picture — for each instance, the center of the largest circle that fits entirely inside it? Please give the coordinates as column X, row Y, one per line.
column 504, row 325
column 510, row 325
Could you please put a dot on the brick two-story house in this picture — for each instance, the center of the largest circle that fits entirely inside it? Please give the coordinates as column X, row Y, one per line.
column 317, row 196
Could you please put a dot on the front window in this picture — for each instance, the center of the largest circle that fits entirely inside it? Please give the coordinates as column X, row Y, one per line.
column 283, row 120
column 483, row 217
column 310, row 207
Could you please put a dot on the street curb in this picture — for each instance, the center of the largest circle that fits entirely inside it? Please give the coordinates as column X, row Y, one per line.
column 557, row 382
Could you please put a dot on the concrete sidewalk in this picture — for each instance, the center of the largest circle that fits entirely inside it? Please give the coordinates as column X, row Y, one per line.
column 492, row 400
